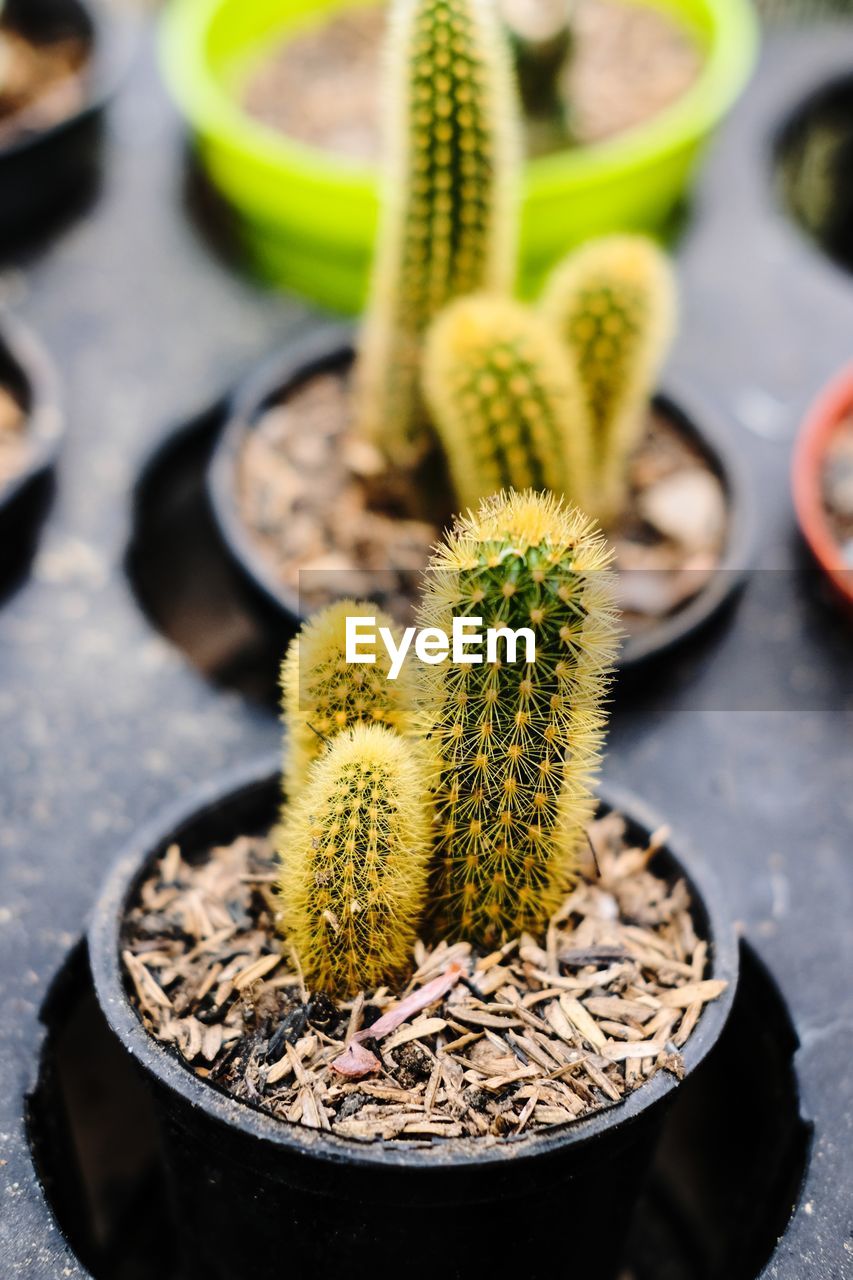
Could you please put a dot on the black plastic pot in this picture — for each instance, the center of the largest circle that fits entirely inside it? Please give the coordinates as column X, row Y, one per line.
column 27, row 372
column 42, row 173
column 332, row 349
column 256, row 1198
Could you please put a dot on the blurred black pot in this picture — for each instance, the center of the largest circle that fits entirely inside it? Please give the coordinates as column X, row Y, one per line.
column 28, row 374
column 46, row 173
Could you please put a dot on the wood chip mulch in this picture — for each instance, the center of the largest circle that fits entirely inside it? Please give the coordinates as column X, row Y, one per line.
column 528, row 1037
column 330, row 522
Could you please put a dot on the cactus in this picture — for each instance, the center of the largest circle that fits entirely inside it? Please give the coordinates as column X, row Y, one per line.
column 323, row 694
column 354, row 849
column 518, row 745
column 613, row 302
column 506, row 401
column 448, row 224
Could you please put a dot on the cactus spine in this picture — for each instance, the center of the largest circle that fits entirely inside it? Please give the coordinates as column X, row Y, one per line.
column 614, row 303
column 323, row 694
column 506, row 401
column 448, row 224
column 354, row 849
column 518, row 744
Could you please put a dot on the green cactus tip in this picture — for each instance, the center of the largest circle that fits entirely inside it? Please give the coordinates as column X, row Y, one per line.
column 506, row 401
column 448, row 221
column 518, row 745
column 613, row 302
column 323, row 694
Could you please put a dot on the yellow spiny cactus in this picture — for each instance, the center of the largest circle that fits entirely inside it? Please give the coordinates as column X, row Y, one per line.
column 518, row 743
column 354, row 847
column 506, row 401
column 613, row 302
column 323, row 694
column 448, row 221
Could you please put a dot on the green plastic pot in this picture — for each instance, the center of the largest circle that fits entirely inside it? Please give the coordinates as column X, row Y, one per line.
column 306, row 218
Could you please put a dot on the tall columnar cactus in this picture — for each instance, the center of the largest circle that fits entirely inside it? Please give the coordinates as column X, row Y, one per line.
column 354, row 848
column 448, row 222
column 614, row 303
column 506, row 401
column 323, row 694
column 518, row 743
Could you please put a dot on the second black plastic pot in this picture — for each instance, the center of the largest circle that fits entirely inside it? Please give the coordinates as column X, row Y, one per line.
column 332, row 350
column 255, row 1198
column 26, row 371
column 42, row 173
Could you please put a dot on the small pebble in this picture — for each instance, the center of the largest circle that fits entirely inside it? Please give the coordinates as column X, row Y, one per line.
column 689, row 507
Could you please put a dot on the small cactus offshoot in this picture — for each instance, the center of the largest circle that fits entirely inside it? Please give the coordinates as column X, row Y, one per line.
column 323, row 694
column 448, row 223
column 518, row 744
column 506, row 401
column 614, row 303
column 354, row 847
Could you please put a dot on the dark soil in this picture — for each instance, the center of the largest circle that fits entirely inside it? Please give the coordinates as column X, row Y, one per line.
column 324, row 86
column 528, row 1037
column 331, row 522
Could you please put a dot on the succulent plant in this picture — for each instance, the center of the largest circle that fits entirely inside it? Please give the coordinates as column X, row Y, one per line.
column 448, row 222
column 323, row 694
column 506, row 401
column 517, row 744
column 354, row 847
column 613, row 302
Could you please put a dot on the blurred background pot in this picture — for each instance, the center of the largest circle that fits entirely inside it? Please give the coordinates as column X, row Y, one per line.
column 28, row 379
column 256, row 1198
column 50, row 161
column 823, row 480
column 306, row 218
column 331, row 350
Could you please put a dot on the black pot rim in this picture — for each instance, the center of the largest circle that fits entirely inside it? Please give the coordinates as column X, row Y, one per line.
column 331, row 347
column 44, row 424
column 110, row 49
column 170, row 1074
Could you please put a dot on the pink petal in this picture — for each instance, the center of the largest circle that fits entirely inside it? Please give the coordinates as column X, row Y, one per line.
column 420, row 999
column 358, row 1061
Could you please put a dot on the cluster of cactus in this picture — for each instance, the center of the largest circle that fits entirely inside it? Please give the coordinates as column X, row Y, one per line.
column 448, row 218
column 481, row 811
column 588, row 358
